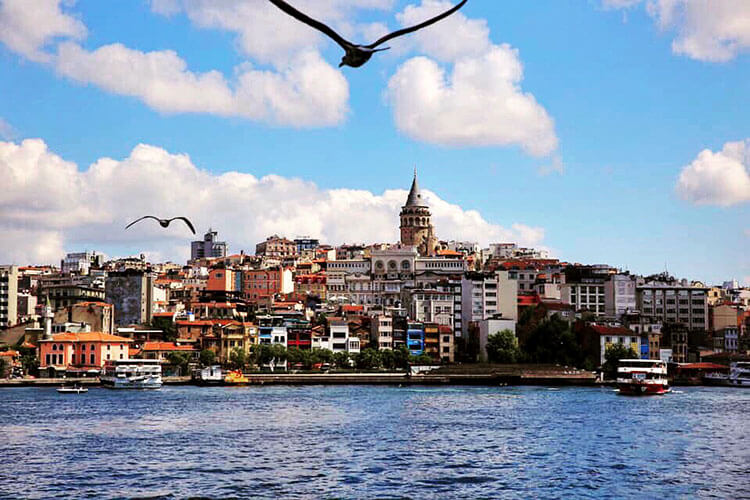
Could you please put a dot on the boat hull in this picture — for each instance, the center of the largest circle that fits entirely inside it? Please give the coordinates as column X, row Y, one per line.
column 643, row 389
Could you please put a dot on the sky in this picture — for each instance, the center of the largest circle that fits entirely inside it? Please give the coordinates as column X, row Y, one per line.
column 607, row 131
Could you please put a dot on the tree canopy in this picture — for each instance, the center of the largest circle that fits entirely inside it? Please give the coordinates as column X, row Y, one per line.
column 502, row 347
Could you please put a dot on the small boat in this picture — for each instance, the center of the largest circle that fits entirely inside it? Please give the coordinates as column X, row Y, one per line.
column 642, row 377
column 72, row 390
column 236, row 377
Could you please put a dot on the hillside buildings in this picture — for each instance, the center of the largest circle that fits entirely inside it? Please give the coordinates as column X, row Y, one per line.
column 443, row 299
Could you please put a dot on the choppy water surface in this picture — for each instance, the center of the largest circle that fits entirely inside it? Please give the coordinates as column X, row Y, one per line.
column 361, row 441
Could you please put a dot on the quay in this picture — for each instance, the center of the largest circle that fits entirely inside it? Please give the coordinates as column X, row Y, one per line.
column 455, row 375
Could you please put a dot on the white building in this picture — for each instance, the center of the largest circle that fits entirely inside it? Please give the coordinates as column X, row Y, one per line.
column 81, row 262
column 619, row 295
column 8, row 296
column 381, row 331
column 429, row 306
column 484, row 295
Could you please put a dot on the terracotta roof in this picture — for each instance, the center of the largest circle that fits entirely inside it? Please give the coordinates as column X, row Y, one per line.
column 164, row 314
column 701, row 366
column 9, row 353
column 612, row 330
column 166, row 346
column 86, row 337
column 451, row 253
column 351, row 308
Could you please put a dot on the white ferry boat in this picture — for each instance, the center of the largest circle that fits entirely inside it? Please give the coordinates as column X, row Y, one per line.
column 132, row 374
column 739, row 375
column 642, row 377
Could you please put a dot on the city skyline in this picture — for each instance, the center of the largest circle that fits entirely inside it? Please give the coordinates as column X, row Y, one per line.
column 591, row 169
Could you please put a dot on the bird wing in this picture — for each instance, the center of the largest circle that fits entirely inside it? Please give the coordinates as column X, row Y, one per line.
column 144, row 217
column 418, row 26
column 281, row 4
column 185, row 219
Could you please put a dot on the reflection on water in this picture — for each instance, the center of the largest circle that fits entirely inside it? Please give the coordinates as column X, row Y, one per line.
column 374, row 442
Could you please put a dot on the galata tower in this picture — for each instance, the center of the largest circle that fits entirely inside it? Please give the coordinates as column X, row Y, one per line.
column 416, row 223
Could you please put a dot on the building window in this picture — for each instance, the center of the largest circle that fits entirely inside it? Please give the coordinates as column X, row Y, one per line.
column 93, row 359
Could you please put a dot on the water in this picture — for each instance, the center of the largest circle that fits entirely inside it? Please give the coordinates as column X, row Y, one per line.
column 358, row 441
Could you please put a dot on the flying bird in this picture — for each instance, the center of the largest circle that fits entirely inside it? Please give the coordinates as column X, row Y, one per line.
column 164, row 222
column 357, row 55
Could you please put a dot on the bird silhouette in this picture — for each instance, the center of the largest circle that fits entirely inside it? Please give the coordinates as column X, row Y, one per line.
column 357, row 55
column 164, row 222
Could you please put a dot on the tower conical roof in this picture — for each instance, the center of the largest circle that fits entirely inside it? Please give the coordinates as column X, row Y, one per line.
column 415, row 197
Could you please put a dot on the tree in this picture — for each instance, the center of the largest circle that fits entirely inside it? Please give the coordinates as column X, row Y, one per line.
column 552, row 341
column 341, row 359
column 167, row 326
column 502, row 347
column 387, row 359
column 179, row 360
column 367, row 359
column 401, row 357
column 612, row 357
column 207, row 357
column 319, row 355
column 279, row 354
column 238, row 358
column 422, row 359
column 30, row 364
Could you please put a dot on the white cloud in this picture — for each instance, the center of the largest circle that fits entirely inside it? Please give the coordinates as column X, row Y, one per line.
column 27, row 29
column 721, row 178
column 263, row 31
column 706, row 30
column 48, row 204
column 307, row 92
column 480, row 103
column 300, row 90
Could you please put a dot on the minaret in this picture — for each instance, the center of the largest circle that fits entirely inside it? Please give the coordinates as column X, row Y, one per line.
column 416, row 222
column 48, row 316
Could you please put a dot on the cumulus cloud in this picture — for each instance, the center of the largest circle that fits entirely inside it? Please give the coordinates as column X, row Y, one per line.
column 27, row 29
column 706, row 30
column 293, row 96
column 300, row 90
column 480, row 102
column 263, row 31
column 721, row 178
column 49, row 204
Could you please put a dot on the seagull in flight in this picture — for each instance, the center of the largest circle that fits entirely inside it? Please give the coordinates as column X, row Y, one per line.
column 164, row 222
column 357, row 55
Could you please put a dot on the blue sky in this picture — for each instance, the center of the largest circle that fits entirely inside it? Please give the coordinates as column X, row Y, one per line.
column 630, row 113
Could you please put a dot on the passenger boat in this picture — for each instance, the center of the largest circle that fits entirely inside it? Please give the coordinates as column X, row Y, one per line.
column 638, row 377
column 235, row 377
column 132, row 374
column 72, row 390
column 210, row 375
column 739, row 376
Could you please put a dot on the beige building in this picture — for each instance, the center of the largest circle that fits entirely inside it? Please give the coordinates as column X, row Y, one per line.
column 98, row 315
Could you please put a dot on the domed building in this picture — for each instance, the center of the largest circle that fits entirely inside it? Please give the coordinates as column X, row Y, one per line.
column 416, row 222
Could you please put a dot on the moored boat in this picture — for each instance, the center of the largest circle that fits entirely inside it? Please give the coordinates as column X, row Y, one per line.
column 738, row 376
column 236, row 377
column 72, row 390
column 132, row 374
column 642, row 377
